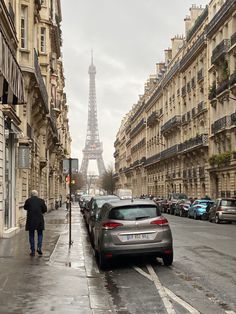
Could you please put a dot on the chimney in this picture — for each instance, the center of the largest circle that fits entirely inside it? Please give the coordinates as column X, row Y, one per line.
column 188, row 25
column 177, row 43
column 168, row 56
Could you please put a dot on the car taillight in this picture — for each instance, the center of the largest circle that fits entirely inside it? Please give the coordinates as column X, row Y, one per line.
column 160, row 222
column 111, row 225
column 220, row 209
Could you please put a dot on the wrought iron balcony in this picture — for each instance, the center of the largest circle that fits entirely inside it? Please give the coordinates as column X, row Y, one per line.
column 183, row 91
column 153, row 159
column 232, row 79
column 220, row 17
column 193, row 82
column 137, row 128
column 151, row 120
column 200, row 75
column 222, row 87
column 188, row 87
column 233, row 39
column 11, row 13
column 220, row 50
column 201, row 171
column 201, row 107
column 193, row 51
column 221, row 124
column 195, row 142
column 199, row 21
column 169, row 152
column 172, row 71
column 40, row 81
column 170, row 124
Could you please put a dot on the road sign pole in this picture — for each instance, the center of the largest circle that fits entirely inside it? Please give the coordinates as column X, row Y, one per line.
column 70, row 177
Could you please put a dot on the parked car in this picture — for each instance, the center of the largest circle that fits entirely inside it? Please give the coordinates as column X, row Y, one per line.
column 84, row 203
column 199, row 208
column 172, row 199
column 94, row 208
column 182, row 207
column 132, row 228
column 224, row 209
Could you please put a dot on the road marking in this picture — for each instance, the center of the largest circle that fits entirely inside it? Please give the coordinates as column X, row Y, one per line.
column 230, row 312
column 184, row 304
column 161, row 290
column 165, row 292
column 139, row 270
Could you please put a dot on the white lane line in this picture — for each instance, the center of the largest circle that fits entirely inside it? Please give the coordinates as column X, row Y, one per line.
column 139, row 270
column 184, row 304
column 230, row 312
column 161, row 291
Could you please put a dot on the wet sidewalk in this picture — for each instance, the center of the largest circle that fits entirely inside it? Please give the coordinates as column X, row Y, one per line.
column 62, row 281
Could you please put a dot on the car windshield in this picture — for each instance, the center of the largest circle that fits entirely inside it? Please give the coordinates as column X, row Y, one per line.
column 134, row 212
column 230, row 203
column 205, row 202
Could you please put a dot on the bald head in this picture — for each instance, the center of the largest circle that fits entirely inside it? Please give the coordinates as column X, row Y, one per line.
column 34, row 193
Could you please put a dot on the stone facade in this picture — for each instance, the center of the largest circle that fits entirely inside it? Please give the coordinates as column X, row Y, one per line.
column 180, row 136
column 41, row 127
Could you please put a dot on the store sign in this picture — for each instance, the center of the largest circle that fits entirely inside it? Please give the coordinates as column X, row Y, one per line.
column 23, row 157
column 74, row 166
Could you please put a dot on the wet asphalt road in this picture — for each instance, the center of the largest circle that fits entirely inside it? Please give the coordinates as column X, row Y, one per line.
column 203, row 274
column 201, row 280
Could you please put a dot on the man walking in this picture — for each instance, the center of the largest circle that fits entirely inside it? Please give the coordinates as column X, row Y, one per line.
column 35, row 207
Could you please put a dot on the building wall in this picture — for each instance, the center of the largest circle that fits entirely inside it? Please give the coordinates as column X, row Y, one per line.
column 182, row 130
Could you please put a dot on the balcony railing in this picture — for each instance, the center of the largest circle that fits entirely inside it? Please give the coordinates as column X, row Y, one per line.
column 183, row 91
column 137, row 128
column 232, row 79
column 193, row 82
column 173, row 122
column 151, row 120
column 200, row 140
column 188, row 87
column 201, row 171
column 233, row 39
column 11, row 13
column 40, row 81
column 222, row 87
column 170, row 73
column 169, row 152
column 200, row 75
column 220, row 17
column 201, row 107
column 221, row 124
column 220, row 50
column 193, row 51
column 199, row 21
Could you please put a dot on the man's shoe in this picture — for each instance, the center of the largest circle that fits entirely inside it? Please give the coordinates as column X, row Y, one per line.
column 32, row 253
column 39, row 252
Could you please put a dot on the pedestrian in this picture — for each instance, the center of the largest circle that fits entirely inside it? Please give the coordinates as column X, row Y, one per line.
column 35, row 208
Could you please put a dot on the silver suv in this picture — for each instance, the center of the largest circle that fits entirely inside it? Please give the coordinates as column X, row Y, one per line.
column 224, row 209
column 132, row 227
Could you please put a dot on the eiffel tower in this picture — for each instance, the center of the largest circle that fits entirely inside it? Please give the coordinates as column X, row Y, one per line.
column 93, row 147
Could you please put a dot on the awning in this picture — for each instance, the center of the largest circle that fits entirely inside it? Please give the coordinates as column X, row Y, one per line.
column 11, row 78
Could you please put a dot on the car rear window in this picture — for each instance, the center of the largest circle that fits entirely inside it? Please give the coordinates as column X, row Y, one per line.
column 230, row 203
column 134, row 212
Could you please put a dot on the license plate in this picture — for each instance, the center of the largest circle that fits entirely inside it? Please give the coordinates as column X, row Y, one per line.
column 133, row 237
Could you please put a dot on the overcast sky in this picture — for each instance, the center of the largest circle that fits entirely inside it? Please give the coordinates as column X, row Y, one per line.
column 128, row 38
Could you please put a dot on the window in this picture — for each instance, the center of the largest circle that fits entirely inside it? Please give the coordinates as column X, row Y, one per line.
column 24, row 26
column 43, row 40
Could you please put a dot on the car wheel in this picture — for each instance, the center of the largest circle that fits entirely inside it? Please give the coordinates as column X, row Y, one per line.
column 195, row 216
column 102, row 261
column 92, row 239
column 181, row 213
column 168, row 259
column 217, row 219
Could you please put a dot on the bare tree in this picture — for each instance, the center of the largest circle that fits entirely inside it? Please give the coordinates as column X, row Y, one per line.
column 108, row 181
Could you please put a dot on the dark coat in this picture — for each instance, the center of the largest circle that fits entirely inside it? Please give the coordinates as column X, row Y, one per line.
column 35, row 207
